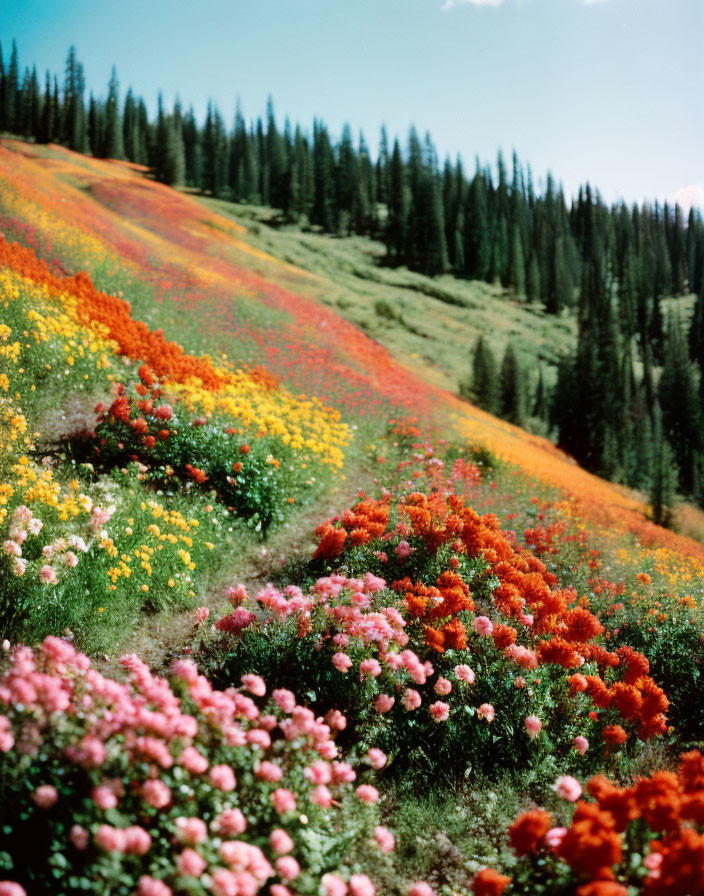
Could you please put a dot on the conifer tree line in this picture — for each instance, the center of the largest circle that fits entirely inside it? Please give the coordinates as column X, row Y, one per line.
column 628, row 401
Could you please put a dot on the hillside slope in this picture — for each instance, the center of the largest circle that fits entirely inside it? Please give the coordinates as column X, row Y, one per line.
column 203, row 282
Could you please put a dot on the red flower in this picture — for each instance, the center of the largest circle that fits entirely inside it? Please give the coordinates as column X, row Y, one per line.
column 528, row 830
column 488, row 882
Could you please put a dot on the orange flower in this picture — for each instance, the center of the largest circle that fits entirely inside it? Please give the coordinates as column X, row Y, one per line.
column 488, row 882
column 528, row 830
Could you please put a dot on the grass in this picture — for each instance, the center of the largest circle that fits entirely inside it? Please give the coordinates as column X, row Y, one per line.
column 428, row 324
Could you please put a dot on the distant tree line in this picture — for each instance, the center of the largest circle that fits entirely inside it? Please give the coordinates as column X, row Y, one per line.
column 630, row 399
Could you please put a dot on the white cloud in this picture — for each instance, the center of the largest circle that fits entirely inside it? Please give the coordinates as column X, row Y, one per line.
column 691, row 195
column 451, row 4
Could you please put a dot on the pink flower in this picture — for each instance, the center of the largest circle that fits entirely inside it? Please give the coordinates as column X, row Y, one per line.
column 236, row 595
column 156, row 794
column 12, row 548
column 191, row 830
column 369, row 667
column 383, row 703
column 45, row 796
column 71, row 559
column 519, row 681
column 149, row 886
column 19, row 566
column 333, row 885
column 411, row 699
column 440, row 711
column 285, row 700
column 321, row 796
column 47, row 575
column 421, row 888
column 403, row 550
column 283, row 800
column 486, row 711
column 554, row 836
column 103, row 797
column 231, row 823
column 288, row 868
column 193, row 761
column 190, row 863
column 568, row 788
column 442, row 687
column 137, row 841
column 482, row 625
column 223, row 778
column 79, row 837
column 254, row 684
column 360, row 885
column 385, row 839
column 533, row 726
column 464, row 673
column 376, row 757
column 201, row 614
column 318, row 773
column 110, row 839
column 280, row 841
column 10, row 888
column 341, row 661
column 269, row 771
column 367, row 794
column 581, row 744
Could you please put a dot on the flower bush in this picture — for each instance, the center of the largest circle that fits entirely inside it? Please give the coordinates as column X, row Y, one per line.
column 162, row 786
column 646, row 838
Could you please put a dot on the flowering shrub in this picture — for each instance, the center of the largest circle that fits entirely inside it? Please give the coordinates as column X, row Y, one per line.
column 646, row 838
column 472, row 645
column 168, row 786
column 141, row 425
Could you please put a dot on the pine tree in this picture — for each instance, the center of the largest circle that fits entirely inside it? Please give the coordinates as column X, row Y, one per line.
column 513, row 397
column 12, row 92
column 484, row 389
column 664, row 474
column 397, row 207
column 113, row 147
column 516, row 263
column 47, row 122
column 541, row 405
column 533, row 279
column 679, row 404
column 477, row 247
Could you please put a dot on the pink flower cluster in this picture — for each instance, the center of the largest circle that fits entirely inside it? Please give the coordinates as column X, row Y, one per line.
column 249, row 762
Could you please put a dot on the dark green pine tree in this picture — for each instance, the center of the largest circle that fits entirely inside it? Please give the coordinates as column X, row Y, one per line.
column 477, row 246
column 112, row 146
column 516, row 263
column 130, row 129
column 513, row 398
column 397, row 218
column 74, row 126
column 11, row 100
column 346, row 183
column 214, row 152
column 663, row 484
column 541, row 404
column 96, row 126
column 533, row 279
column 47, row 122
column 193, row 153
column 677, row 395
column 484, row 388
column 323, row 210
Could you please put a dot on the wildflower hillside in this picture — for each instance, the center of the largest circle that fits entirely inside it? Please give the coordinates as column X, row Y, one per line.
column 420, row 651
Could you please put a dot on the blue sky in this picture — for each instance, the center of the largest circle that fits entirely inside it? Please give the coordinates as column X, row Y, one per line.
column 610, row 91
